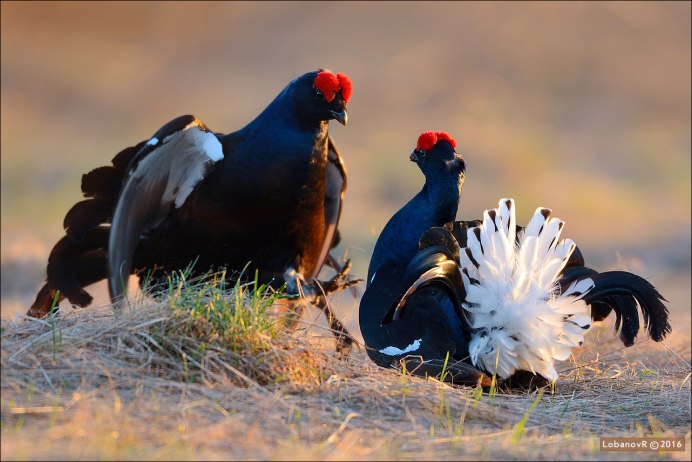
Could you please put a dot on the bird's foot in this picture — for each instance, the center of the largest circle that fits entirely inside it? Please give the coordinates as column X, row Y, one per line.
column 344, row 339
column 340, row 281
column 298, row 287
column 316, row 294
column 342, row 271
column 295, row 284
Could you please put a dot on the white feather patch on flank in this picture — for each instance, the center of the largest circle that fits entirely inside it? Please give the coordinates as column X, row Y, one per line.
column 153, row 141
column 394, row 351
column 519, row 320
column 373, row 277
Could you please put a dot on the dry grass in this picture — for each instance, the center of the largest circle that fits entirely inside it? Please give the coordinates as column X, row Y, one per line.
column 149, row 383
column 590, row 101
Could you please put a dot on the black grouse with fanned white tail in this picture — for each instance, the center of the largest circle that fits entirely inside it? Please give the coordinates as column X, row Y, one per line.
column 504, row 299
column 269, row 194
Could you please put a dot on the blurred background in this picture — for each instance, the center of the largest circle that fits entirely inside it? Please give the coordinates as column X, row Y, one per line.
column 580, row 107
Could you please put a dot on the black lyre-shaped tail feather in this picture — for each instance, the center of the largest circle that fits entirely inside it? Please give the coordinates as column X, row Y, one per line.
column 86, row 215
column 622, row 291
column 71, row 262
column 79, row 258
column 101, row 187
column 72, row 265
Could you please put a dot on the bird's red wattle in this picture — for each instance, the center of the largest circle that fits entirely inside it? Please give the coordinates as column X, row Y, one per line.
column 328, row 84
column 447, row 137
column 426, row 141
column 345, row 84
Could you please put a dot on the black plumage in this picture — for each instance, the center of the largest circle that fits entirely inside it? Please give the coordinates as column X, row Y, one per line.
column 416, row 303
column 422, row 332
column 270, row 194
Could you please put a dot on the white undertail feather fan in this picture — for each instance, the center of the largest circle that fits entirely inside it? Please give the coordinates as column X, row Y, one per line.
column 520, row 320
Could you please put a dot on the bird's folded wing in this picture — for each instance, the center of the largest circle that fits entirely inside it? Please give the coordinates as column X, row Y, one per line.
column 333, row 200
column 431, row 266
column 163, row 175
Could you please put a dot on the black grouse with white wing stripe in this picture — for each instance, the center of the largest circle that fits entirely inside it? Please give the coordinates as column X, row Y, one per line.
column 270, row 194
column 488, row 296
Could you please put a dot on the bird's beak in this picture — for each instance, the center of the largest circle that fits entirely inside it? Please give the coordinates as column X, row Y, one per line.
column 414, row 157
column 341, row 117
column 459, row 162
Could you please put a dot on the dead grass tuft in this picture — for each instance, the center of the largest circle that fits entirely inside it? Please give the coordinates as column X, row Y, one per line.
column 207, row 372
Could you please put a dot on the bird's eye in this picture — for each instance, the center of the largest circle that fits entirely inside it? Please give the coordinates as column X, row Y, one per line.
column 422, row 152
column 318, row 93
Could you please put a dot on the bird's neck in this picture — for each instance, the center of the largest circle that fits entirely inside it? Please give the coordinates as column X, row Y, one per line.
column 285, row 111
column 283, row 136
column 442, row 197
column 435, row 205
